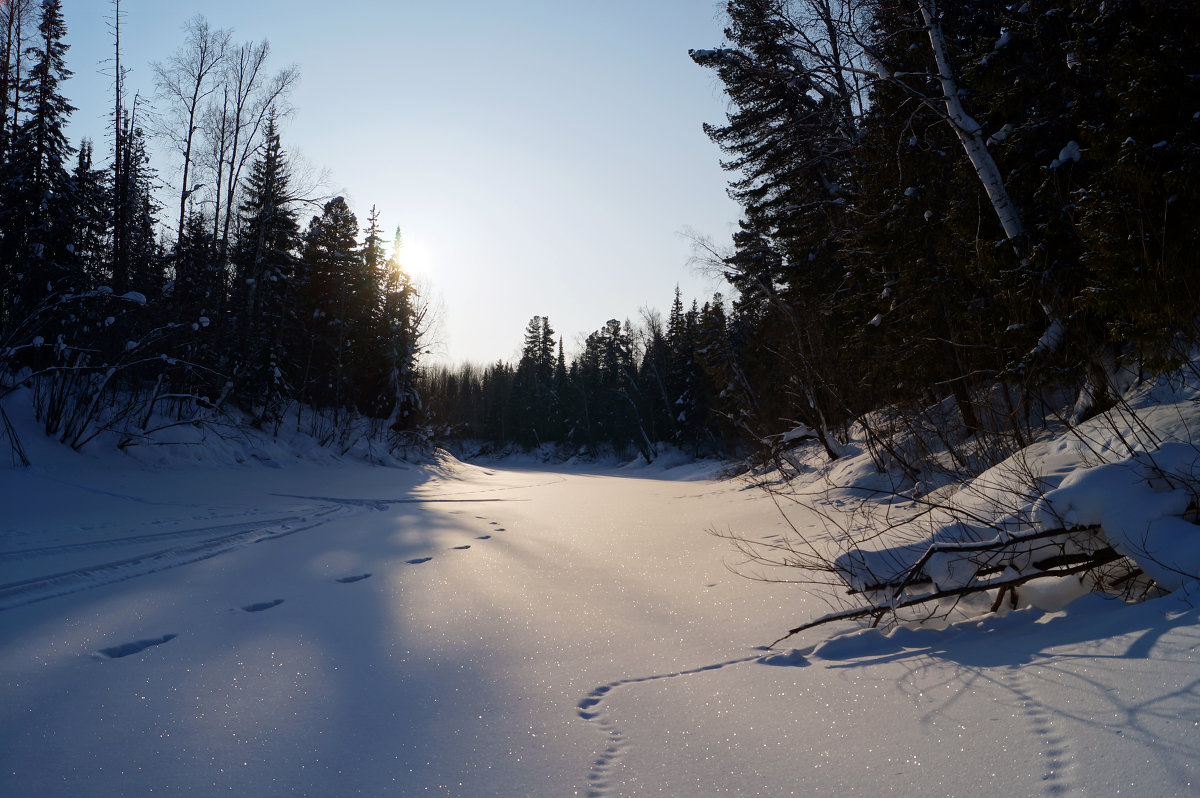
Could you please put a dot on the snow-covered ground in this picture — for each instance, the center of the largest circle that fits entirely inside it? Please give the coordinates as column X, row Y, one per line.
column 339, row 629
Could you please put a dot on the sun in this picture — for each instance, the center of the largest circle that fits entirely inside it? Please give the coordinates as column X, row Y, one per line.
column 415, row 255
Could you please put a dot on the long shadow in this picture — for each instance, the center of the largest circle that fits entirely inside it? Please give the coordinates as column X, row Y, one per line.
column 1042, row 663
column 302, row 652
column 1021, row 637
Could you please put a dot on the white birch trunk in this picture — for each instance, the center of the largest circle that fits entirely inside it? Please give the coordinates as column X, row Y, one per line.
column 967, row 129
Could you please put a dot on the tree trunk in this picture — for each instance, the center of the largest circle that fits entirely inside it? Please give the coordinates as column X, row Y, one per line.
column 969, row 133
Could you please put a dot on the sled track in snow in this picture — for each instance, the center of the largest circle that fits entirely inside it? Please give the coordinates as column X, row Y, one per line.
column 229, row 537
column 599, row 778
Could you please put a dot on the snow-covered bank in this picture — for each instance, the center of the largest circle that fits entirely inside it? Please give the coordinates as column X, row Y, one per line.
column 465, row 631
column 902, row 531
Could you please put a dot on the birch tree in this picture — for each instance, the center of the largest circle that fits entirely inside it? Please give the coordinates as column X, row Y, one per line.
column 186, row 81
column 248, row 97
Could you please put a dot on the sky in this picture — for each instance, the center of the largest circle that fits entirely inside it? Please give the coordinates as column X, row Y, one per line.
column 541, row 157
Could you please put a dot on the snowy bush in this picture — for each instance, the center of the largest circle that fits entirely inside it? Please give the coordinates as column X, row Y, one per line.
column 1107, row 505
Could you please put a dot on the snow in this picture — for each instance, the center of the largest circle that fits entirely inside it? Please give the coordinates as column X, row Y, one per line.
column 1000, row 135
column 880, row 68
column 193, row 622
column 1069, row 153
column 798, row 433
column 1051, row 339
column 1140, row 521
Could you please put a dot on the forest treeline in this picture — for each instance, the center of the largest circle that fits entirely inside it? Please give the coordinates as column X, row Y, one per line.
column 990, row 208
column 121, row 313
column 630, row 389
column 987, row 204
column 984, row 206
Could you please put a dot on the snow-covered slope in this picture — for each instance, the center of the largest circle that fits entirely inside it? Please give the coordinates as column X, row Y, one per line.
column 340, row 629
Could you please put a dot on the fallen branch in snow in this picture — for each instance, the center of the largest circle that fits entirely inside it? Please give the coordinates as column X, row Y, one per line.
column 1100, row 558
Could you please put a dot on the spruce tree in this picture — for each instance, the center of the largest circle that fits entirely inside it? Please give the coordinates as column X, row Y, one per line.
column 37, row 207
column 264, row 265
column 329, row 263
column 401, row 325
column 91, row 215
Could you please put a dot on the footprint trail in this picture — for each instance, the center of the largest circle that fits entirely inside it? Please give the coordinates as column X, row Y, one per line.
column 1057, row 752
column 262, row 605
column 129, row 649
column 599, row 778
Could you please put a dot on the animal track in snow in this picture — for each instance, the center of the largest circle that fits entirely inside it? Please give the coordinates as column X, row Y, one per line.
column 1057, row 752
column 589, row 709
column 460, row 548
column 128, row 649
column 345, row 580
column 262, row 605
column 418, row 561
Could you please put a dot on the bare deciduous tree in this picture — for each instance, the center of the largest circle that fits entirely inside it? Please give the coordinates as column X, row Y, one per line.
column 12, row 16
column 185, row 82
column 234, row 121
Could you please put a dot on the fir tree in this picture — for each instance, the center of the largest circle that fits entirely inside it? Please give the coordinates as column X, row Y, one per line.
column 328, row 263
column 401, row 327
column 91, row 215
column 37, row 208
column 264, row 262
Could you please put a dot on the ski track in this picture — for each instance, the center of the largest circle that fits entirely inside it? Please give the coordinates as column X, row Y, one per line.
column 29, row 591
column 599, row 778
column 219, row 539
column 91, row 545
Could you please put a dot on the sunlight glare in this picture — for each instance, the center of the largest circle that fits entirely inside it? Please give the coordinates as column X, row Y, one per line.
column 415, row 256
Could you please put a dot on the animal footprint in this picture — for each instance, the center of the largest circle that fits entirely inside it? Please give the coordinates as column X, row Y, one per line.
column 262, row 605
column 419, row 560
column 345, row 580
column 460, row 548
column 128, row 649
column 484, row 537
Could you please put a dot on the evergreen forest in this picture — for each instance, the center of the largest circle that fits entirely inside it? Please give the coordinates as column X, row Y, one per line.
column 122, row 314
column 979, row 215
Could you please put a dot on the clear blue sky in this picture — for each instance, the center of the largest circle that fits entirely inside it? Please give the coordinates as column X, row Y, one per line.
column 541, row 156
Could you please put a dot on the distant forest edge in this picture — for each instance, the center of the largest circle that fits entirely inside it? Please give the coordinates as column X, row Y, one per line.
column 987, row 208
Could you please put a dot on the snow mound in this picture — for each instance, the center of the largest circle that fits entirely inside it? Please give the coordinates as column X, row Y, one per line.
column 1138, row 506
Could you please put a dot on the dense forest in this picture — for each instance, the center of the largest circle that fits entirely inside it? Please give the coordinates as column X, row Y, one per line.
column 984, row 206
column 122, row 314
column 990, row 208
column 987, row 203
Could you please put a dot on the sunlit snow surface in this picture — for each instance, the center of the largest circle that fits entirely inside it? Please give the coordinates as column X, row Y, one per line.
column 455, row 630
